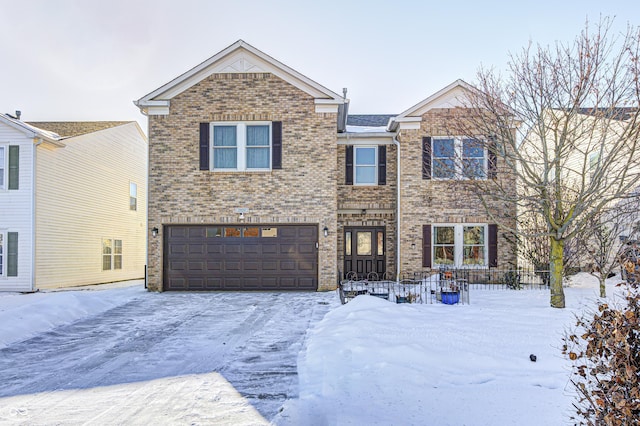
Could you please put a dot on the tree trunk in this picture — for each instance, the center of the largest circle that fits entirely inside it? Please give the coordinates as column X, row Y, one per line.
column 556, row 265
column 603, row 290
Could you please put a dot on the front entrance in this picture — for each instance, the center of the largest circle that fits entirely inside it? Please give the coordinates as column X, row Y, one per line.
column 364, row 249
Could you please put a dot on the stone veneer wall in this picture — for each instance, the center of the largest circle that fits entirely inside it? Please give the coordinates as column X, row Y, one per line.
column 304, row 191
column 436, row 201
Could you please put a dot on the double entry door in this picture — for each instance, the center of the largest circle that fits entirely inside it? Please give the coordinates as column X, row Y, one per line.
column 364, row 251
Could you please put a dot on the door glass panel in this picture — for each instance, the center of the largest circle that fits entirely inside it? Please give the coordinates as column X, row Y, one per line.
column 347, row 243
column 364, row 243
column 380, row 243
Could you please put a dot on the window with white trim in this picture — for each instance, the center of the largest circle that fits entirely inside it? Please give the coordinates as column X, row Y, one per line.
column 458, row 158
column 3, row 250
column 3, row 168
column 241, row 146
column 365, row 165
column 133, row 196
column 459, row 245
column 111, row 254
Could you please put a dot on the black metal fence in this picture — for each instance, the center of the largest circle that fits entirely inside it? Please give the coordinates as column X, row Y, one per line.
column 445, row 285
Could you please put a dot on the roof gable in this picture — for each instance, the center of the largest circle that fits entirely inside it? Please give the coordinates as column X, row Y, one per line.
column 31, row 131
column 451, row 96
column 240, row 57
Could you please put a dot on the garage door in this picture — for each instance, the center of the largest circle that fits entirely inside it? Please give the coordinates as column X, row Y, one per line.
column 248, row 257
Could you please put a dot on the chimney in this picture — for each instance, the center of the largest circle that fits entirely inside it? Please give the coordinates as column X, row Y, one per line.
column 18, row 114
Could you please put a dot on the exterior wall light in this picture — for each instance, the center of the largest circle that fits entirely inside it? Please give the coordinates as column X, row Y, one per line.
column 326, row 231
column 154, row 232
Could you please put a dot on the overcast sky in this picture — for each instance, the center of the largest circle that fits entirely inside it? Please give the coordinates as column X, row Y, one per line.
column 71, row 60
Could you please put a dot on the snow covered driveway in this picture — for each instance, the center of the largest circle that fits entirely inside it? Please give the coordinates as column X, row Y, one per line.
column 160, row 358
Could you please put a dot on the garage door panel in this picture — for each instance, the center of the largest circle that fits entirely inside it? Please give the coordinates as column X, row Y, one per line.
column 196, row 249
column 232, row 249
column 285, row 258
column 271, row 265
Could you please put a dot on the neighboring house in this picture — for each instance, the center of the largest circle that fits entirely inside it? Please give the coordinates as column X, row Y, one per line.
column 259, row 180
column 72, row 203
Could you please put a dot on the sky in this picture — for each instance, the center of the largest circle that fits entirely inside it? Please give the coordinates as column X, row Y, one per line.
column 74, row 60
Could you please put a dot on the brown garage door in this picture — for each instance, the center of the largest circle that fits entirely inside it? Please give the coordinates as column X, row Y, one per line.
column 241, row 257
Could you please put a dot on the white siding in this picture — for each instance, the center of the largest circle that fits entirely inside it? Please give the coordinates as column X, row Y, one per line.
column 16, row 210
column 82, row 196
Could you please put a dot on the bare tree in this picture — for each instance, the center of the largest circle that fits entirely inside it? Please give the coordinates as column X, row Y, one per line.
column 566, row 123
column 604, row 240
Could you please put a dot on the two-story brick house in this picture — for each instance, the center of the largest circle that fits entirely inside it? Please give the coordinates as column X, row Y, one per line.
column 256, row 182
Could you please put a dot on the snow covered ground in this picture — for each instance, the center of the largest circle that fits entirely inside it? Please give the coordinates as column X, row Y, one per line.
column 124, row 356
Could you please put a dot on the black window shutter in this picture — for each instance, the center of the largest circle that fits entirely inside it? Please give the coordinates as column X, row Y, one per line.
column 426, row 157
column 493, row 246
column 14, row 167
column 204, row 146
column 348, row 173
column 12, row 254
column 492, row 159
column 382, row 165
column 426, row 246
column 276, row 145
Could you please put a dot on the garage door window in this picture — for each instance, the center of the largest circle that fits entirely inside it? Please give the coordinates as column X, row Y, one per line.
column 241, row 232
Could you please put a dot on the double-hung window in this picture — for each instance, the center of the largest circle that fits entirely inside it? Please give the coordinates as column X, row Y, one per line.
column 365, row 165
column 8, row 254
column 458, row 158
column 111, row 254
column 241, row 146
column 460, row 244
column 3, row 168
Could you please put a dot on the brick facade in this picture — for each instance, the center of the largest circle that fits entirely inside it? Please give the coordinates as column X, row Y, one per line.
column 429, row 201
column 303, row 191
column 311, row 187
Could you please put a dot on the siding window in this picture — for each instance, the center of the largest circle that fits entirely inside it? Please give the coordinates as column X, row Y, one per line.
column 3, row 167
column 133, row 196
column 3, row 238
column 111, row 254
column 457, row 158
column 14, row 167
column 241, row 146
column 8, row 254
column 459, row 245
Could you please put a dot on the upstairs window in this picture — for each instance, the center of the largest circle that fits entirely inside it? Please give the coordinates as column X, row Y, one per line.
column 365, row 165
column 454, row 158
column 133, row 196
column 241, row 146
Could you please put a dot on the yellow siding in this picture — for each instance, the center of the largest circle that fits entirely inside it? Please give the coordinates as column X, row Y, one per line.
column 82, row 196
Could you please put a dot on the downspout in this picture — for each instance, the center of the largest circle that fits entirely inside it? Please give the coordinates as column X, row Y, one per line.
column 397, row 144
column 37, row 143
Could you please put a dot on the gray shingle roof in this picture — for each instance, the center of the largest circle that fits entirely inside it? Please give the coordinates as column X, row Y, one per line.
column 369, row 120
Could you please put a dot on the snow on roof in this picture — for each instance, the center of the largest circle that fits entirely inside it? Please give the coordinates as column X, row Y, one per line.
column 366, row 129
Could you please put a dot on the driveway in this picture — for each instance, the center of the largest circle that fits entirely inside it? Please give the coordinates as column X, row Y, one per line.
column 163, row 358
